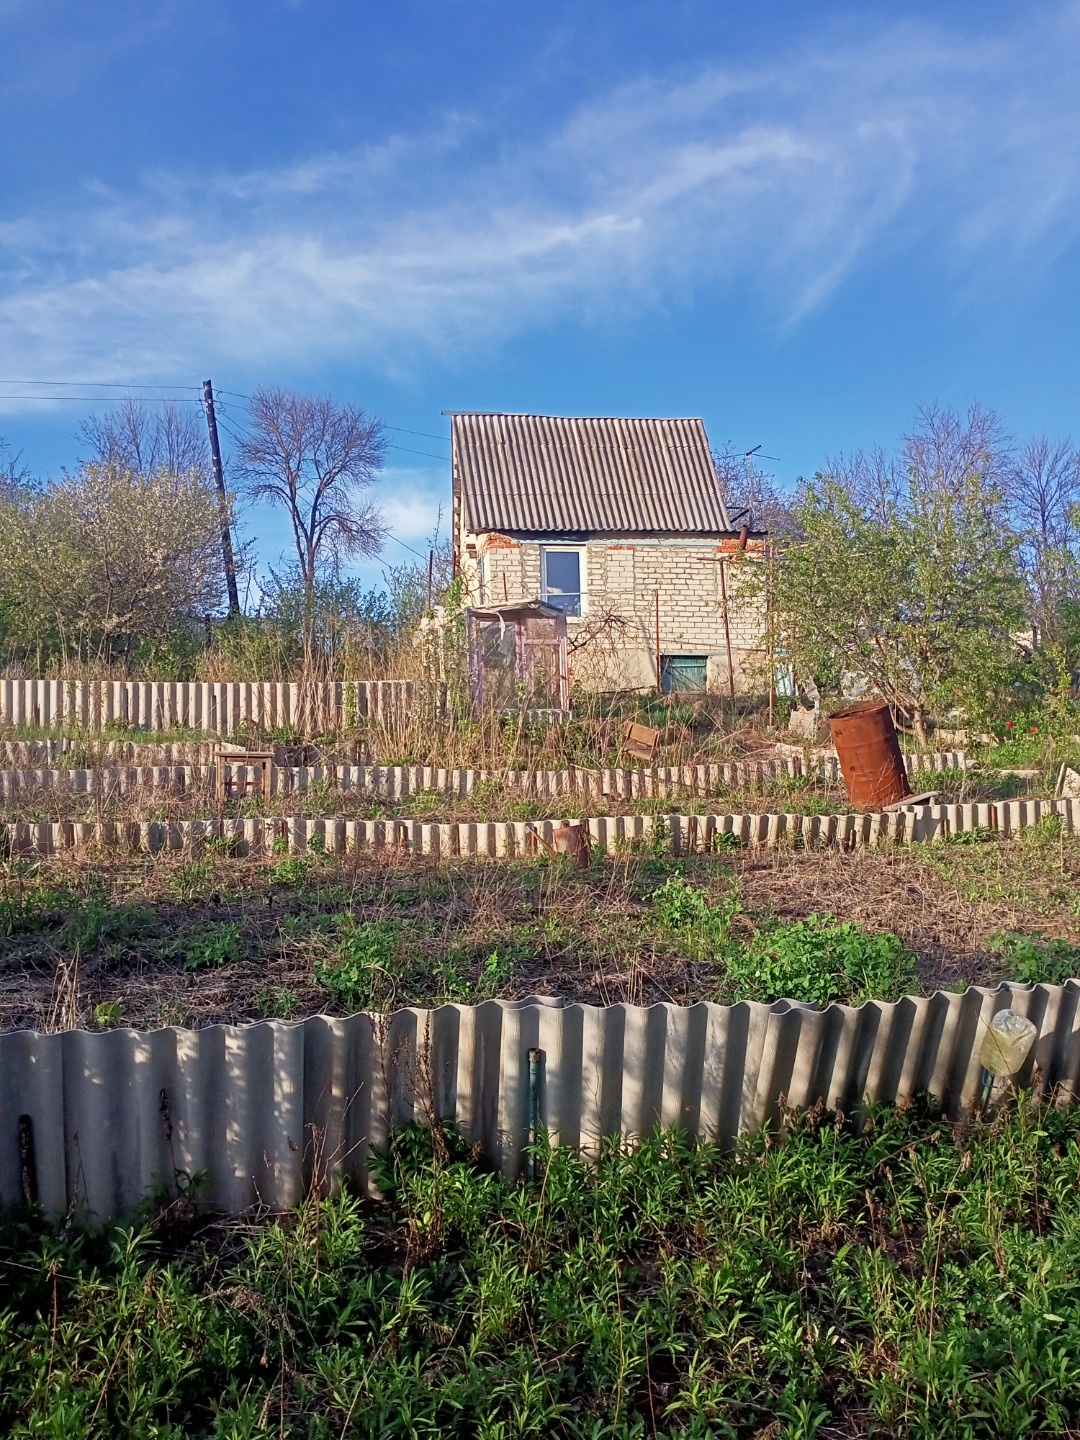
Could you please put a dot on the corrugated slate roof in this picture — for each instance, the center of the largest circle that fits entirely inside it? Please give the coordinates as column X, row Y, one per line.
column 552, row 474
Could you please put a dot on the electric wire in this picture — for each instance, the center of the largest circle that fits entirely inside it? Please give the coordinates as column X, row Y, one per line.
column 187, row 399
column 111, row 399
column 408, row 451
column 232, row 426
column 104, row 384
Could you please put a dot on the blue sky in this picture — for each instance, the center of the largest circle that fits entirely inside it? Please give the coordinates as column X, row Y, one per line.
column 798, row 221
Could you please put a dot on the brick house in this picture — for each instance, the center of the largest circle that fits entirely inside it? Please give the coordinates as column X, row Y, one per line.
column 620, row 524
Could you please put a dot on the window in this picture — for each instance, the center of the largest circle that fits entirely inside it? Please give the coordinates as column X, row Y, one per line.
column 560, row 573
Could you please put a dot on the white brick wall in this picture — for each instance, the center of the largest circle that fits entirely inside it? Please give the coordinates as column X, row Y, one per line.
column 623, row 577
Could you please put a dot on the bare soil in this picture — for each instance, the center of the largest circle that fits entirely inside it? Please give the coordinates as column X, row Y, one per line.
column 98, row 939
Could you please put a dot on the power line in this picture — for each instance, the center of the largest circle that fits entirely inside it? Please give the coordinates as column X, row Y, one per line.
column 408, row 451
column 404, row 546
column 103, row 384
column 239, row 439
column 227, row 422
column 166, row 385
column 108, row 399
column 400, row 430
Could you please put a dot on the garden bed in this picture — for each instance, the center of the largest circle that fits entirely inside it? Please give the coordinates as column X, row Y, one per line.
column 174, row 795
column 99, row 939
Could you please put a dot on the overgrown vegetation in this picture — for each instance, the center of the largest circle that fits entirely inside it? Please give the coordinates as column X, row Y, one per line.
column 952, row 548
column 949, row 549
column 916, row 1280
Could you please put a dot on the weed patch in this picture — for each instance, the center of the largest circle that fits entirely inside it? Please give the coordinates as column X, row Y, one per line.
column 363, row 968
column 209, row 947
column 915, row 1280
column 817, row 960
column 1031, row 960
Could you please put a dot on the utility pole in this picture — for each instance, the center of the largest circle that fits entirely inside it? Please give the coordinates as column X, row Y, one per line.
column 223, row 500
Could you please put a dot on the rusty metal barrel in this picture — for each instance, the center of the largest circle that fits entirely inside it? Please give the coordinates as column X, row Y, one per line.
column 869, row 754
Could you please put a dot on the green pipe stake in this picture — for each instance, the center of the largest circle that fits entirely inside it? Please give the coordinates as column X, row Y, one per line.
column 534, row 1110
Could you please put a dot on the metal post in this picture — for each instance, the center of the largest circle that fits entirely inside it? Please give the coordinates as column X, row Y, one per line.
column 772, row 640
column 659, row 678
column 534, row 1109
column 727, row 638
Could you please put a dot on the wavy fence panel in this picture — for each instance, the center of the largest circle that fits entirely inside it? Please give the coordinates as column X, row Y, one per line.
column 51, row 754
column 395, row 782
column 677, row 833
column 216, row 708
column 111, row 781
column 266, row 1110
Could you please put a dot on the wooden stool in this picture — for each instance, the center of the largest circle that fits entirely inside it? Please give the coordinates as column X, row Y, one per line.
column 225, row 760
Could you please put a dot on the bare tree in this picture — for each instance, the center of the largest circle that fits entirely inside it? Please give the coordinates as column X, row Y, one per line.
column 947, row 450
column 1044, row 507
column 751, row 497
column 873, row 480
column 316, row 459
column 943, row 454
column 146, row 439
column 14, row 475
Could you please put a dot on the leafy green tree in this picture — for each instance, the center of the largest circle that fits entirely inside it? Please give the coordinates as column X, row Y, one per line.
column 906, row 573
column 106, row 560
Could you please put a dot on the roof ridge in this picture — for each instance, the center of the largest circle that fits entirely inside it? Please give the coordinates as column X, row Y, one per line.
column 550, row 415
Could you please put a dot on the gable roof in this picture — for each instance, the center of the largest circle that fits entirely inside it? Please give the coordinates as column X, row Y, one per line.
column 552, row 474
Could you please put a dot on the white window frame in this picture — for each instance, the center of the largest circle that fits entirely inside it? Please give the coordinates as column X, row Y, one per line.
column 581, row 552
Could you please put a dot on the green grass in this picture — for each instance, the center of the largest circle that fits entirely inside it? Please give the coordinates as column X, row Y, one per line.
column 114, row 730
column 918, row 1280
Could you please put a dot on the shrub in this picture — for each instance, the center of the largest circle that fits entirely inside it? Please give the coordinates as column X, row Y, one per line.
column 1031, row 960
column 817, row 960
column 362, row 970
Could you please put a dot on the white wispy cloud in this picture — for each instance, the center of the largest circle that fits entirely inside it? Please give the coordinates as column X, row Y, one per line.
column 780, row 178
column 414, row 502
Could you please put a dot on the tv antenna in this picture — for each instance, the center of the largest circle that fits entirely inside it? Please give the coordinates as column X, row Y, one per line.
column 748, row 456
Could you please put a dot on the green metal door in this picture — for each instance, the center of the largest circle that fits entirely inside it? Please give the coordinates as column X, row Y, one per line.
column 682, row 672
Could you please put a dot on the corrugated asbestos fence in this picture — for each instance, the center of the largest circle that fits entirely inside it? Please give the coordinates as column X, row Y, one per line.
column 213, row 708
column 395, row 782
column 266, row 1110
column 680, row 834
column 44, row 754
